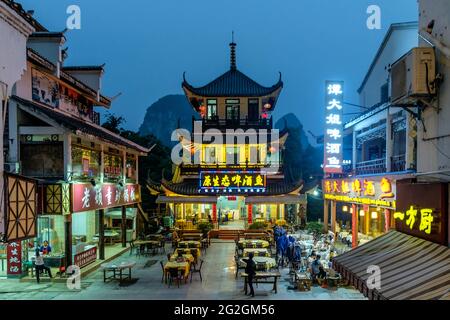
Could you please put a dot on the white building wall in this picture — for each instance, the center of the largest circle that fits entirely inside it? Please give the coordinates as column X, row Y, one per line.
column 434, row 154
column 399, row 43
column 14, row 31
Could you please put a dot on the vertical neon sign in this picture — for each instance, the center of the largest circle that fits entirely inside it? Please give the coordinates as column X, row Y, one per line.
column 333, row 138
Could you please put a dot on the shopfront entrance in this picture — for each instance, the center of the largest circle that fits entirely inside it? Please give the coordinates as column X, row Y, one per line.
column 231, row 212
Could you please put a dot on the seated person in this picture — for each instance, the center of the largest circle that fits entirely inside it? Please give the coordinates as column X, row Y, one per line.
column 321, row 276
column 315, row 268
column 180, row 257
column 45, row 248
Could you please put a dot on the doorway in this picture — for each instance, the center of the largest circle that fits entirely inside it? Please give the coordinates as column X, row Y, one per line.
column 231, row 212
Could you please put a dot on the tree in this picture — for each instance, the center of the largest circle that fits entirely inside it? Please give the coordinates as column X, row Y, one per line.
column 114, row 123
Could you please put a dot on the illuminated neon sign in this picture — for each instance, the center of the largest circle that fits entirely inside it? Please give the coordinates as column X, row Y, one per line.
column 333, row 138
column 215, row 181
column 371, row 191
column 416, row 219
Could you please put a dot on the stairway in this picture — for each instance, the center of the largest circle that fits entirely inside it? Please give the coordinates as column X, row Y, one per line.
column 228, row 234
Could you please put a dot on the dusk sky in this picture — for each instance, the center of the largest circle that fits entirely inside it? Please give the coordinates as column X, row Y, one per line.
column 147, row 45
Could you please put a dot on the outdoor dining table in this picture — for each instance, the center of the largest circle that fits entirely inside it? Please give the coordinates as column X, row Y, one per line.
column 187, row 250
column 189, row 257
column 253, row 243
column 256, row 251
column 255, row 235
column 267, row 261
column 189, row 244
column 181, row 266
column 117, row 270
column 192, row 236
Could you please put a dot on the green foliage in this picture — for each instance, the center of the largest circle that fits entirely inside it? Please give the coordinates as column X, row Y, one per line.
column 314, row 227
column 258, row 226
column 205, row 227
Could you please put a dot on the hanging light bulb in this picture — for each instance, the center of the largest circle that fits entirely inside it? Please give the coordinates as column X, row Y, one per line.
column 374, row 215
column 361, row 213
column 345, row 208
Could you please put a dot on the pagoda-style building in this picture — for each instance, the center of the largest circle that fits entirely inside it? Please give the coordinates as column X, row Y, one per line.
column 235, row 183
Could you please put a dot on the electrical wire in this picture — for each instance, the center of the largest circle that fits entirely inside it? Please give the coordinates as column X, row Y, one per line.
column 439, row 150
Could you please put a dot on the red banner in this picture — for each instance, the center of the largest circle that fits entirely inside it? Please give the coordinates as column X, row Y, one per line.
column 355, row 215
column 214, row 212
column 14, row 256
column 86, row 197
column 249, row 214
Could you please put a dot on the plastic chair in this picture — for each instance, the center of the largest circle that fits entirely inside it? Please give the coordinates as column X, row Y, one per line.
column 199, row 271
column 163, row 271
column 174, row 274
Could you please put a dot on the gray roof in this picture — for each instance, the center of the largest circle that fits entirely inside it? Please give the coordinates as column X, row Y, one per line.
column 233, row 83
column 394, row 26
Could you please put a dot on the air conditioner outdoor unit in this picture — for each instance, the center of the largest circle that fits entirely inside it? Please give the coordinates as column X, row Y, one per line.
column 12, row 167
column 413, row 75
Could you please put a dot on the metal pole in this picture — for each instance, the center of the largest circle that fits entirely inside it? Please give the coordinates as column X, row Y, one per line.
column 124, row 226
column 101, row 231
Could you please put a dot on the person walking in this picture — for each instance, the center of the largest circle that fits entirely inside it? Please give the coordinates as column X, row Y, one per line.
column 40, row 266
column 250, row 270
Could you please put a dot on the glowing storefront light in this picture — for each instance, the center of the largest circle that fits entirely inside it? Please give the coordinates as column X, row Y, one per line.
column 333, row 127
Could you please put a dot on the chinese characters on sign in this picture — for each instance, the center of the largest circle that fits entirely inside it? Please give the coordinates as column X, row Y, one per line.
column 369, row 191
column 423, row 217
column 232, row 180
column 333, row 127
column 422, row 211
column 14, row 256
column 86, row 197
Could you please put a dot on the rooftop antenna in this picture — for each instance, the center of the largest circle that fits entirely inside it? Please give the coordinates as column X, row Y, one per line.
column 232, row 53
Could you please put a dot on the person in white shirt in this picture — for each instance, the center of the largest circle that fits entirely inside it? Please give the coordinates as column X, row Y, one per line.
column 40, row 266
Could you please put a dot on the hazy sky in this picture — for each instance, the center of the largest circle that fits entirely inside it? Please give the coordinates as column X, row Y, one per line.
column 147, row 44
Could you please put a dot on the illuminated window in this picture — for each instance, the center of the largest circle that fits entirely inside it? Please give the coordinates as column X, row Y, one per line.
column 211, row 109
column 210, row 155
column 232, row 109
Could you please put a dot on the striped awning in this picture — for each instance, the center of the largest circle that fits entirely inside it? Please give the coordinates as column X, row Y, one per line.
column 411, row 268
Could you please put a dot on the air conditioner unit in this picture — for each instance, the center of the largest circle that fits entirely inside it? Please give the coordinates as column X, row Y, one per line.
column 12, row 167
column 413, row 75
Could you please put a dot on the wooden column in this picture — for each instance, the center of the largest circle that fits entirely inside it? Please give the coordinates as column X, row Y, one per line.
column 325, row 215
column 333, row 217
column 124, row 226
column 387, row 220
column 101, row 232
column 355, row 215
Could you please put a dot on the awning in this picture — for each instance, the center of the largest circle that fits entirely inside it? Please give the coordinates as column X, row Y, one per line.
column 284, row 199
column 411, row 268
column 165, row 199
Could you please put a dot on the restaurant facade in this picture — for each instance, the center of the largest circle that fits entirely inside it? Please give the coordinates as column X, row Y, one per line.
column 81, row 190
column 377, row 150
column 411, row 260
column 231, row 167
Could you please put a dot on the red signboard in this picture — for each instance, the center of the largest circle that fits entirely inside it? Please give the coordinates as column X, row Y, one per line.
column 14, row 256
column 86, row 197
column 84, row 258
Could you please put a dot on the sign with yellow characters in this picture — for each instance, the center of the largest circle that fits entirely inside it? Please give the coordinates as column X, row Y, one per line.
column 375, row 191
column 422, row 211
column 213, row 181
